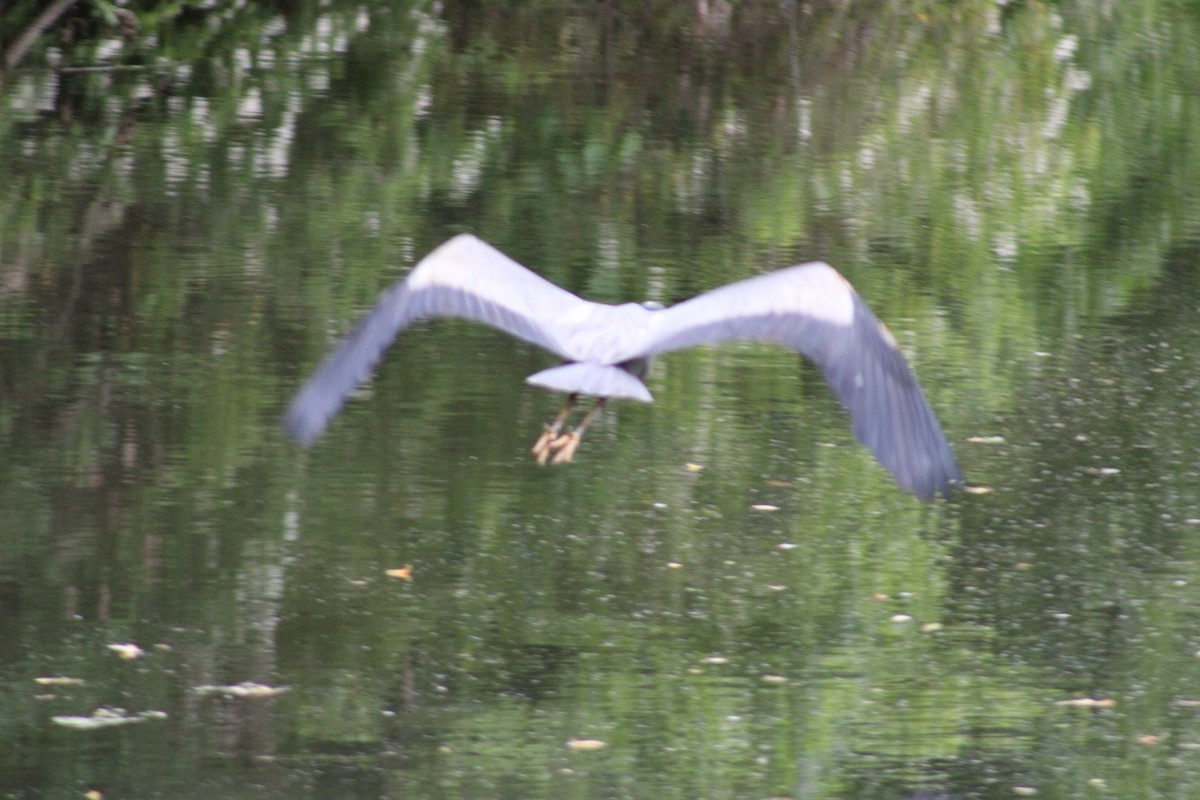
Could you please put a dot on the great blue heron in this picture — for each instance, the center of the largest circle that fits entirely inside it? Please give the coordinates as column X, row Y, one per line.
column 608, row 348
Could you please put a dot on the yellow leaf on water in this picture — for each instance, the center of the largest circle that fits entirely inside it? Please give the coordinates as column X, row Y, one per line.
column 403, row 573
column 584, row 745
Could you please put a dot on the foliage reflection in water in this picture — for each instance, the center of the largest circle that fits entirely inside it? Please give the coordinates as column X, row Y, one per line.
column 1012, row 187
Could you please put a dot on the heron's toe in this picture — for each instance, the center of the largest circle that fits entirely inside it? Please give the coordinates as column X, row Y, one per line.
column 543, row 446
column 565, row 447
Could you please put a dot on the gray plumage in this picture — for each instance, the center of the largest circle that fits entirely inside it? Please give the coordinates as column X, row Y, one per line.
column 608, row 348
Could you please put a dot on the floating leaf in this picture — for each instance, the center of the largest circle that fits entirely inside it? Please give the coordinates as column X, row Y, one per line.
column 106, row 718
column 58, row 680
column 584, row 745
column 127, row 651
column 403, row 573
column 1086, row 702
column 243, row 689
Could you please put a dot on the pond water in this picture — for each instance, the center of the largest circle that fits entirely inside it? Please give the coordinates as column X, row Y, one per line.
column 725, row 596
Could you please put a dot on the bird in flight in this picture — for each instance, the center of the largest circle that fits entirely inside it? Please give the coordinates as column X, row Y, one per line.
column 608, row 349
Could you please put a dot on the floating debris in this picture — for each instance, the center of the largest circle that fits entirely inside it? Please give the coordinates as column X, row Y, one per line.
column 985, row 439
column 773, row 680
column 716, row 660
column 58, row 680
column 674, row 565
column 766, row 507
column 127, row 651
column 787, row 546
column 690, row 467
column 585, row 745
column 901, row 618
column 1024, row 791
column 778, row 484
column 403, row 573
column 931, row 627
column 243, row 689
column 976, row 489
column 1086, row 702
column 1148, row 739
column 107, row 718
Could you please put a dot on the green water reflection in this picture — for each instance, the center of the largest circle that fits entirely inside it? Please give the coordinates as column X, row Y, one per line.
column 725, row 590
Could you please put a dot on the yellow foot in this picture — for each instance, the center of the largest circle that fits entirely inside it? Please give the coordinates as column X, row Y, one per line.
column 565, row 446
column 545, row 443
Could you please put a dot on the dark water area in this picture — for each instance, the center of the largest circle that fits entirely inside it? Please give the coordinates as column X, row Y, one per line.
column 726, row 595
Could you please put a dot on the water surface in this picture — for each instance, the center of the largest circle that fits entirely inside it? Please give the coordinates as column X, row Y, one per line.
column 725, row 590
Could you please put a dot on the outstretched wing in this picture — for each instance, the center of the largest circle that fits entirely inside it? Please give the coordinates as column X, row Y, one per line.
column 815, row 310
column 464, row 278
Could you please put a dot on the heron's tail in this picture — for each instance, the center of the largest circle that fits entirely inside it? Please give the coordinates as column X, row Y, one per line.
column 598, row 380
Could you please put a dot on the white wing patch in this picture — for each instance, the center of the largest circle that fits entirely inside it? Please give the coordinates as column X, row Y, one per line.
column 456, row 264
column 815, row 290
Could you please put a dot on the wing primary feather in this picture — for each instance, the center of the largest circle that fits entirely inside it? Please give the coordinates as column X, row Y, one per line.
column 465, row 278
column 814, row 310
column 325, row 392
